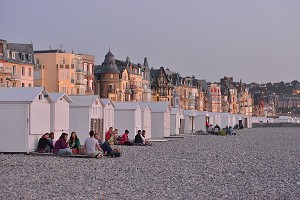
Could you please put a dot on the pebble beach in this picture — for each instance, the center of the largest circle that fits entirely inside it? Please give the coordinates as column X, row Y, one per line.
column 259, row 163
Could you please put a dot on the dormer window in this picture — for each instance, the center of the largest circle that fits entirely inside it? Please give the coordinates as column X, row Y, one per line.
column 23, row 57
column 8, row 54
column 13, row 55
column 29, row 58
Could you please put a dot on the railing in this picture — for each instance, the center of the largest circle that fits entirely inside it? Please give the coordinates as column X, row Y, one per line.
column 5, row 70
column 3, row 85
column 15, row 76
column 132, row 86
column 88, row 73
column 79, row 82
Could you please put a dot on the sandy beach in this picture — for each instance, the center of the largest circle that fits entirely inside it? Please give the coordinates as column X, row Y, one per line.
column 260, row 163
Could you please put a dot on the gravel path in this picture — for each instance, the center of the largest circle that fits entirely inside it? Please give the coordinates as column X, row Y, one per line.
column 261, row 163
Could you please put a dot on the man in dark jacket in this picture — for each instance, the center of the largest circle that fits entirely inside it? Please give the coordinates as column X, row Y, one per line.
column 44, row 145
column 138, row 138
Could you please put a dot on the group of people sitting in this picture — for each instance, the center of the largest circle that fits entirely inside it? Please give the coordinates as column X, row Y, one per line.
column 93, row 146
column 218, row 131
column 112, row 137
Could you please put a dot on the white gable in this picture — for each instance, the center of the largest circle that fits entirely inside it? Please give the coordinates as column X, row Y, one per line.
column 55, row 96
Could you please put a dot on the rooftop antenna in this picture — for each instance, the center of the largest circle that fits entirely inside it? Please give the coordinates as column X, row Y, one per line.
column 109, row 46
column 60, row 46
column 49, row 45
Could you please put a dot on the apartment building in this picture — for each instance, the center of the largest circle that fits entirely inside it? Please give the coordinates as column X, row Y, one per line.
column 16, row 64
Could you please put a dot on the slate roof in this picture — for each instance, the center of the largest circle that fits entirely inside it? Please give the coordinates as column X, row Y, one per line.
column 20, row 49
column 204, row 85
column 50, row 51
column 24, row 94
column 109, row 65
column 57, row 95
column 83, row 100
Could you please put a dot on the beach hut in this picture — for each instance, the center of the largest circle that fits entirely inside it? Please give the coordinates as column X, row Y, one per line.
column 86, row 114
column 24, row 118
column 200, row 120
column 59, row 114
column 108, row 115
column 176, row 120
column 216, row 118
column 128, row 115
column 225, row 120
column 189, row 121
column 160, row 118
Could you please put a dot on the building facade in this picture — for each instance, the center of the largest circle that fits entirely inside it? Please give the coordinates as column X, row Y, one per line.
column 16, row 64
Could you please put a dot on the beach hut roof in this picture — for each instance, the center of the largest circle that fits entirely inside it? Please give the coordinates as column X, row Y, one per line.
column 23, row 94
column 83, row 100
column 107, row 101
column 57, row 95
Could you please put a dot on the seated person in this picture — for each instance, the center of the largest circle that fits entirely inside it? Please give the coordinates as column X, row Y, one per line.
column 217, row 129
column 51, row 138
column 92, row 147
column 74, row 142
column 144, row 138
column 125, row 140
column 210, row 129
column 113, row 137
column 104, row 145
column 108, row 134
column 44, row 145
column 61, row 146
column 138, row 138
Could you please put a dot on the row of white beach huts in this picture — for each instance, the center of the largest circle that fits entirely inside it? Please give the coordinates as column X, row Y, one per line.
column 27, row 113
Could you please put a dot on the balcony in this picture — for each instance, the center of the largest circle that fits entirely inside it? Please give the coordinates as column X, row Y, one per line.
column 88, row 73
column 39, row 66
column 15, row 77
column 79, row 82
column 3, row 85
column 5, row 70
column 132, row 86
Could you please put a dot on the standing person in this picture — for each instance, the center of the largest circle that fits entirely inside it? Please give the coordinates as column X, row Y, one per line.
column 61, row 146
column 74, row 143
column 44, row 145
column 125, row 140
column 217, row 129
column 92, row 147
column 138, row 138
column 108, row 134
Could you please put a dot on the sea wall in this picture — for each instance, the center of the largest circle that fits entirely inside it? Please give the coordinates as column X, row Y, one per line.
column 273, row 125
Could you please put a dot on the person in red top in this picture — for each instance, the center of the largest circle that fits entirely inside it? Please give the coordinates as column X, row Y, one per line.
column 125, row 140
column 108, row 134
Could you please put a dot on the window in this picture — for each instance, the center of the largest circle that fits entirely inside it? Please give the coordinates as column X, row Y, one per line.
column 8, row 54
column 23, row 57
column 29, row 58
column 23, row 84
column 63, row 61
column 29, row 71
column 37, row 61
column 13, row 55
column 23, row 71
column 29, row 85
column 14, row 69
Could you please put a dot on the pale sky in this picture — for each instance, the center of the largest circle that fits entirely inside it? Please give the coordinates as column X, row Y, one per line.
column 253, row 40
